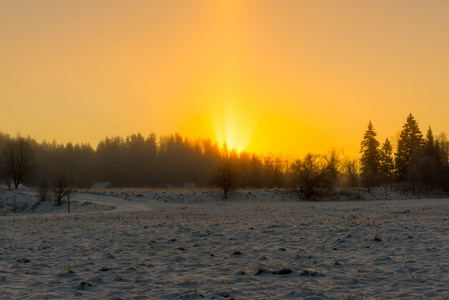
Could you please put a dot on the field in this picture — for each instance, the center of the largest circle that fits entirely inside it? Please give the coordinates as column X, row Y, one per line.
column 193, row 245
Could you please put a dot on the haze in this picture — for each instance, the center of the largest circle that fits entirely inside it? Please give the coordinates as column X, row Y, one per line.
column 265, row 76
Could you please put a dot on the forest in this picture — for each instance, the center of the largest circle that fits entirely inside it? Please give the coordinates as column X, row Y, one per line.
column 411, row 161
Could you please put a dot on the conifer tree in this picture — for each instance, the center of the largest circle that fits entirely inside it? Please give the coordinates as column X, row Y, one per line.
column 409, row 146
column 431, row 146
column 370, row 157
column 386, row 162
column 443, row 145
column 431, row 161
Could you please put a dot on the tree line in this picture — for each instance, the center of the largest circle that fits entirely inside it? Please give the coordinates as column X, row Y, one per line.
column 176, row 161
column 418, row 162
column 134, row 161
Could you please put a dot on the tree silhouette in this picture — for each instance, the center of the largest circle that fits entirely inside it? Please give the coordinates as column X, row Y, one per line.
column 313, row 173
column 431, row 162
column 369, row 162
column 408, row 150
column 61, row 188
column 19, row 159
column 386, row 162
column 225, row 175
column 333, row 166
column 350, row 167
column 443, row 144
column 176, row 161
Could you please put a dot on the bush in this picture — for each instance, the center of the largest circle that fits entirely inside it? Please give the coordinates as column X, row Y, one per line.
column 42, row 191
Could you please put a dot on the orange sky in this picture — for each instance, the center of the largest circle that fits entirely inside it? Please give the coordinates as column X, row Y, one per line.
column 269, row 76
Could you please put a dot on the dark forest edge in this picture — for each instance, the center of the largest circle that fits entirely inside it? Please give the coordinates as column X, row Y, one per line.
column 417, row 164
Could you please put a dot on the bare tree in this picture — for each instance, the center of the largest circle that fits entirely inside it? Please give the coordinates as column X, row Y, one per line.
column 313, row 172
column 333, row 166
column 350, row 170
column 19, row 160
column 42, row 191
column 61, row 188
column 225, row 173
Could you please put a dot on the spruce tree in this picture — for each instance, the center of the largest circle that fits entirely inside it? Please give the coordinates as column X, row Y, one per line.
column 370, row 157
column 410, row 144
column 431, row 161
column 431, row 146
column 386, row 162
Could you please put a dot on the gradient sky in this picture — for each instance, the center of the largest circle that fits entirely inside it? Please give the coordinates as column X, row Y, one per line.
column 269, row 76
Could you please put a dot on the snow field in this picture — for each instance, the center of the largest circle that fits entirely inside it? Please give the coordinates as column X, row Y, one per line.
column 257, row 245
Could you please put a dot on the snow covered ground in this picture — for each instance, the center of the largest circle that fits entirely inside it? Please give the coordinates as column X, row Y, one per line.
column 192, row 245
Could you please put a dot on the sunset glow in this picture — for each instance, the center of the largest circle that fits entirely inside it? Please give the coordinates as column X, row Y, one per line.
column 230, row 133
column 264, row 76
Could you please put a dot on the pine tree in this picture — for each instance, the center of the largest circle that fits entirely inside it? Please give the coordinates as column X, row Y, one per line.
column 386, row 162
column 370, row 157
column 410, row 144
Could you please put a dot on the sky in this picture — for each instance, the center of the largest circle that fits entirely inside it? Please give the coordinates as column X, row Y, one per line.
column 282, row 77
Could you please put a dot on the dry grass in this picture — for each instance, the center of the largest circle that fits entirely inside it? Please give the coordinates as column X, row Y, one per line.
column 377, row 236
column 408, row 266
column 70, row 270
column 261, row 269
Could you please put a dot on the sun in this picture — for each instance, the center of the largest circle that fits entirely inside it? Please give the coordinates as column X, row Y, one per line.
column 233, row 130
column 228, row 133
column 235, row 139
